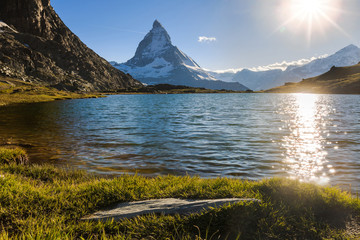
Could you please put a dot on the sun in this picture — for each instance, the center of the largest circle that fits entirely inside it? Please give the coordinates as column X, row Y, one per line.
column 307, row 10
column 310, row 16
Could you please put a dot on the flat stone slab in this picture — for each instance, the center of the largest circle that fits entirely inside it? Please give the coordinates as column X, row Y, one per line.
column 164, row 206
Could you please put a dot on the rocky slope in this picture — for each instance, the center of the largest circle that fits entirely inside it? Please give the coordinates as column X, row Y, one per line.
column 158, row 61
column 340, row 80
column 36, row 46
column 259, row 80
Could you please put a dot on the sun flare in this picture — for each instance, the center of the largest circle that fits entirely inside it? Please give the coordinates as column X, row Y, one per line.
column 310, row 16
column 308, row 8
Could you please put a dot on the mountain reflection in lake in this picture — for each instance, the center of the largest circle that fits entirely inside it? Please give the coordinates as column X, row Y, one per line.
column 252, row 136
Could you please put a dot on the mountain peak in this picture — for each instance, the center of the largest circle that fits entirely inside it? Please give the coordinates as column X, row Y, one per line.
column 157, row 24
column 349, row 48
column 352, row 46
column 155, row 44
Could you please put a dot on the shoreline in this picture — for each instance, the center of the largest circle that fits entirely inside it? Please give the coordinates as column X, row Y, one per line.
column 14, row 91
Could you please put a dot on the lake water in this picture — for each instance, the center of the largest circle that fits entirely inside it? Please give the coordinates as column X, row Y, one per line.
column 249, row 136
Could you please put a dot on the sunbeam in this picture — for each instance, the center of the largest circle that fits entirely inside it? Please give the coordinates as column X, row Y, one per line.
column 309, row 17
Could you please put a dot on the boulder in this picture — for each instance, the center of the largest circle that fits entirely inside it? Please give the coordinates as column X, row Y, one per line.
column 162, row 206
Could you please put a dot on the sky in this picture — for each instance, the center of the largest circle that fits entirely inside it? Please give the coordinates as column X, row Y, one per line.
column 217, row 34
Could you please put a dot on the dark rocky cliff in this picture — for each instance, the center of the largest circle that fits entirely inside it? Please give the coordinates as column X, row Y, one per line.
column 38, row 47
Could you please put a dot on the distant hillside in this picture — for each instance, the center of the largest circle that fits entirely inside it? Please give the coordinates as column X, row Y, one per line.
column 342, row 80
column 37, row 47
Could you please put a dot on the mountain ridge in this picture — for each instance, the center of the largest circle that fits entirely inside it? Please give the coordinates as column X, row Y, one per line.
column 260, row 80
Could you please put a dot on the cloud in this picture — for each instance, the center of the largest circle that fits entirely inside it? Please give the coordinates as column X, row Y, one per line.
column 206, row 39
column 231, row 70
column 282, row 65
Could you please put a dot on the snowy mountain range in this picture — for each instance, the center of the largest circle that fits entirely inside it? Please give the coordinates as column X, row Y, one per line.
column 157, row 61
column 261, row 80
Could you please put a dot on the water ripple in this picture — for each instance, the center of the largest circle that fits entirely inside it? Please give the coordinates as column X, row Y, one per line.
column 252, row 136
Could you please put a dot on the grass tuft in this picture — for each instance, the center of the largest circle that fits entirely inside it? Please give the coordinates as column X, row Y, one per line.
column 13, row 155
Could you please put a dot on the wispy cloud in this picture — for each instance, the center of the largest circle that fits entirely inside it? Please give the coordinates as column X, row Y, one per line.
column 231, row 70
column 206, row 39
column 283, row 65
column 279, row 65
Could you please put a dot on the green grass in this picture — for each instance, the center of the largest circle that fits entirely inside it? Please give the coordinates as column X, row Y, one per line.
column 13, row 155
column 13, row 91
column 45, row 202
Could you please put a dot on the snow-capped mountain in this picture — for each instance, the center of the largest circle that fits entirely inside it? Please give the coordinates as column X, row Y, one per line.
column 157, row 61
column 259, row 80
column 347, row 56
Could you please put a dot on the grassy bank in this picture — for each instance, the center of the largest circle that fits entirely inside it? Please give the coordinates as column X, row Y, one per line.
column 13, row 91
column 44, row 202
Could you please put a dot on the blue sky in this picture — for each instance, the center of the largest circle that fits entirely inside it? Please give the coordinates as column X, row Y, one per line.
column 248, row 33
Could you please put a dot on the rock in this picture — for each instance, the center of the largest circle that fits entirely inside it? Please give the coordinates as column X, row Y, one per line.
column 43, row 50
column 164, row 206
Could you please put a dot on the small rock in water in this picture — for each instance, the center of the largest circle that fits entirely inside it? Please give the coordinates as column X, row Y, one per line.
column 165, row 206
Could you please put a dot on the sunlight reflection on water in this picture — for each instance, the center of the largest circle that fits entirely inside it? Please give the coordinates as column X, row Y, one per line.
column 305, row 155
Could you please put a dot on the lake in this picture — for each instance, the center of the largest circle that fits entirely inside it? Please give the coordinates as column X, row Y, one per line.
column 250, row 136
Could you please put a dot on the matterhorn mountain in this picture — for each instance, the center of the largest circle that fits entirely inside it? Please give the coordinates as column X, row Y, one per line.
column 261, row 80
column 157, row 61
